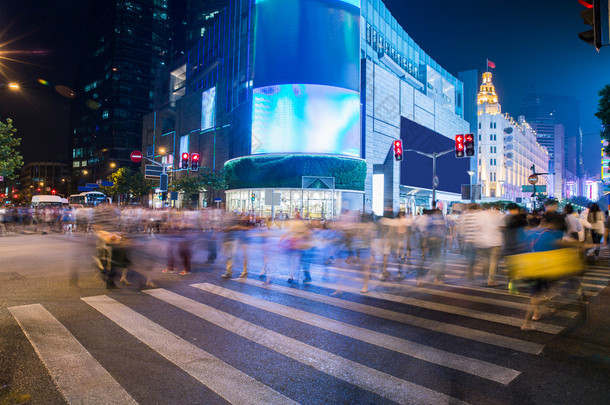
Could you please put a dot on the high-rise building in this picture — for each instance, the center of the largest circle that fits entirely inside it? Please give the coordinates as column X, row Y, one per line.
column 127, row 40
column 507, row 149
column 200, row 17
column 548, row 113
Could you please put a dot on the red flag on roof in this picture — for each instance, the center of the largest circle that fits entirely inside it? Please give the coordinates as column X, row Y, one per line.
column 491, row 64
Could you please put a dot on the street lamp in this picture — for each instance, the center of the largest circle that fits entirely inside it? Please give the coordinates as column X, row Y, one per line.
column 432, row 155
column 12, row 85
column 112, row 165
column 471, row 173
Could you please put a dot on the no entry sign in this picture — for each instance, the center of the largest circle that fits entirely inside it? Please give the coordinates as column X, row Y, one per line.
column 136, row 156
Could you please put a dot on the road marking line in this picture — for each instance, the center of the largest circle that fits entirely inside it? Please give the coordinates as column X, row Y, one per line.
column 81, row 379
column 430, row 324
column 439, row 357
column 471, row 313
column 450, row 294
column 227, row 381
column 367, row 378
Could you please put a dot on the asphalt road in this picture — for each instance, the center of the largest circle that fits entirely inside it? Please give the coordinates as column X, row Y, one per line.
column 200, row 339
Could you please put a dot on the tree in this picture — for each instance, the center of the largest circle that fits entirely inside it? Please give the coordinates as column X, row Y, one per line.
column 213, row 182
column 189, row 185
column 10, row 159
column 126, row 182
column 603, row 113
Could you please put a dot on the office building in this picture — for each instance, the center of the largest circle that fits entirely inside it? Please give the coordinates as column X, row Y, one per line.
column 125, row 44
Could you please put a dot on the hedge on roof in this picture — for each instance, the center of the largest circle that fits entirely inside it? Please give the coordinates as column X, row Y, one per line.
column 286, row 171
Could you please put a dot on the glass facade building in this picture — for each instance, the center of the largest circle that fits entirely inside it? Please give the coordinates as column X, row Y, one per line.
column 127, row 41
column 325, row 82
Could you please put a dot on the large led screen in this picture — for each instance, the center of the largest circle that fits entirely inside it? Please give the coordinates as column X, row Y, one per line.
column 307, row 41
column 208, row 109
column 302, row 118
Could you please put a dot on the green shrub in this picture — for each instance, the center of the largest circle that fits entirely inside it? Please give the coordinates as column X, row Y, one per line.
column 286, row 171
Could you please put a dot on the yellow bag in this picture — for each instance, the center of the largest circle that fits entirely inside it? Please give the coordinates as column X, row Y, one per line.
column 551, row 265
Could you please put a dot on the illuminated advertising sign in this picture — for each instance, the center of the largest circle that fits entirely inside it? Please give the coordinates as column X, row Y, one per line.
column 208, row 109
column 305, row 118
column 307, row 41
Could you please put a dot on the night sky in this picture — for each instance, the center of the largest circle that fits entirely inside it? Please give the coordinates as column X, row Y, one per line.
column 534, row 44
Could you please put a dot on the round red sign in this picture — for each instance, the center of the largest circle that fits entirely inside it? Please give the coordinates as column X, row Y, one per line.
column 533, row 179
column 136, row 156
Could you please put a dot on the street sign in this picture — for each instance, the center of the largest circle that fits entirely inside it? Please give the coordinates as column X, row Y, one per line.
column 152, row 171
column 105, row 183
column 533, row 179
column 435, row 181
column 136, row 156
column 93, row 185
column 530, row 189
column 217, row 199
column 83, row 188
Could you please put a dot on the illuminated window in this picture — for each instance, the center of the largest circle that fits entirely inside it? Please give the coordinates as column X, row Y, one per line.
column 479, row 125
column 491, row 149
column 491, row 125
column 105, row 114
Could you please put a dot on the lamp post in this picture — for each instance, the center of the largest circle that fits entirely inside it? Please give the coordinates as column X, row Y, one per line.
column 471, row 173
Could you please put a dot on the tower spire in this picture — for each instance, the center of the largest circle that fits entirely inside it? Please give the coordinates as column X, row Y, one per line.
column 487, row 99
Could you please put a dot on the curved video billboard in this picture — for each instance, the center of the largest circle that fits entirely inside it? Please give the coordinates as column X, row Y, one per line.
column 307, row 41
column 306, row 77
column 305, row 118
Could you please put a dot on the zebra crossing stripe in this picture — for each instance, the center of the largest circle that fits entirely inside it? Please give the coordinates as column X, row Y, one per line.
column 450, row 294
column 380, row 383
column 227, row 381
column 435, row 306
column 430, row 324
column 80, row 378
column 443, row 358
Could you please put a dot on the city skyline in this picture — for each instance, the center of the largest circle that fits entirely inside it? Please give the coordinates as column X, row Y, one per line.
column 524, row 62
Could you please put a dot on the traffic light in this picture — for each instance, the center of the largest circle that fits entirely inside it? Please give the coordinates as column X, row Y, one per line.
column 592, row 16
column 469, row 144
column 252, row 197
column 398, row 149
column 53, row 191
column 185, row 161
column 194, row 161
column 459, row 146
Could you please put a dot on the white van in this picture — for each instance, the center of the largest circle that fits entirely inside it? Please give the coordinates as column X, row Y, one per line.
column 46, row 200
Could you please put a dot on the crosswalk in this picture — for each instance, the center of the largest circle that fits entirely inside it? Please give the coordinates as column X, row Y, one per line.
column 398, row 343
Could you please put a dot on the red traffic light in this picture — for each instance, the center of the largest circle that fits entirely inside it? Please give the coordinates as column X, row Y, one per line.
column 184, row 164
column 38, row 189
column 195, row 156
column 459, row 145
column 53, row 191
column 397, row 149
column 15, row 196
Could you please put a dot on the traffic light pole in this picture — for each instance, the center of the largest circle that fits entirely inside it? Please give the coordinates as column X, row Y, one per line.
column 432, row 155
